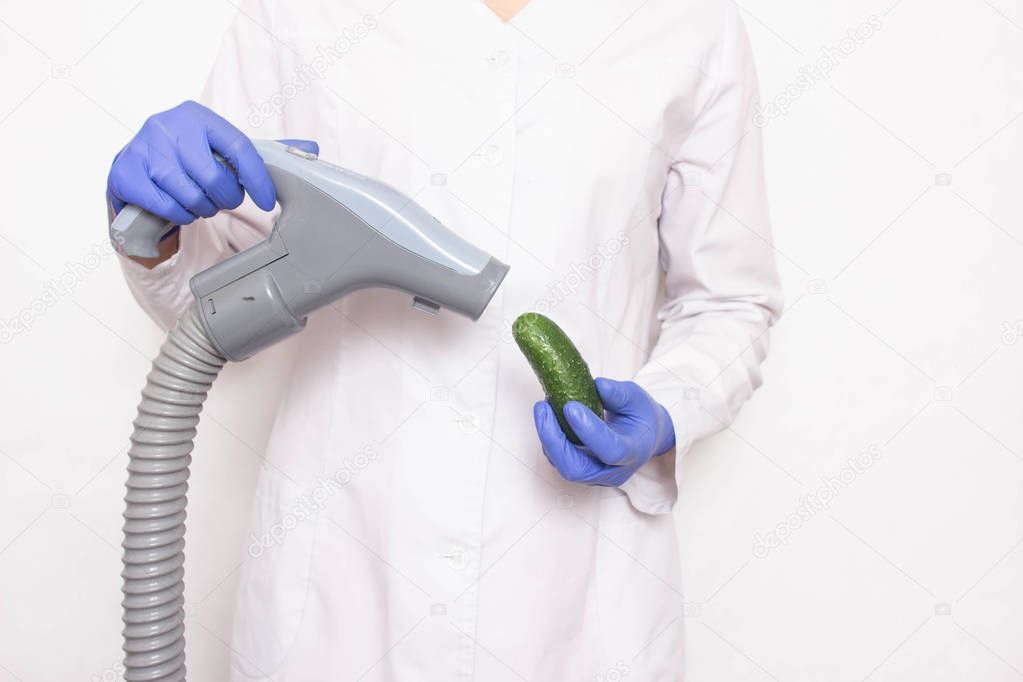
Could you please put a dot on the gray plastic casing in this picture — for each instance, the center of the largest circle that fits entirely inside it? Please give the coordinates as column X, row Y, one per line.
column 337, row 232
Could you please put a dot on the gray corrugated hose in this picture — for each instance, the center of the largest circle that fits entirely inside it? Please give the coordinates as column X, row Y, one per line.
column 154, row 517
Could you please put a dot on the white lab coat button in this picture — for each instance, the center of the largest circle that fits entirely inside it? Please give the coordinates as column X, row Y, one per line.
column 457, row 558
column 492, row 155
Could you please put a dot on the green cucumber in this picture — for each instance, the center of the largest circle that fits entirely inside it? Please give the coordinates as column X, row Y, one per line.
column 562, row 372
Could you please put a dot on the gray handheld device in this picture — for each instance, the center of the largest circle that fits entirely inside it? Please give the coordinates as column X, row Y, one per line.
column 338, row 231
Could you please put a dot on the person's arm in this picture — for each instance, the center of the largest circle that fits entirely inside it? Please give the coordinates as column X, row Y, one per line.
column 722, row 291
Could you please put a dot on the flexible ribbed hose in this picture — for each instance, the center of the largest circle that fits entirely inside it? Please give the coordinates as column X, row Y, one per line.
column 154, row 517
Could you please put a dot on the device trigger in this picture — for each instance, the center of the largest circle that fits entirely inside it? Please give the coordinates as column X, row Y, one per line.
column 310, row 156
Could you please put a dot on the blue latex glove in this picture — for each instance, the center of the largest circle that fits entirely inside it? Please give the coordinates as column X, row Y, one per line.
column 169, row 170
column 637, row 428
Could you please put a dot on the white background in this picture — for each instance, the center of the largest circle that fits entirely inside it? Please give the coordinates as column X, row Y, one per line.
column 895, row 189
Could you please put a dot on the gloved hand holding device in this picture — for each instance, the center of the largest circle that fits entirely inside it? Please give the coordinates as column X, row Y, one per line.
column 170, row 169
column 637, row 428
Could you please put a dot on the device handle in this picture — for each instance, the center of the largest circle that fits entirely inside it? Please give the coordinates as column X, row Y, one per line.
column 137, row 232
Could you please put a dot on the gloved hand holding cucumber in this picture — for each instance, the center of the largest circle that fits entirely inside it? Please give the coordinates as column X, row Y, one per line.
column 578, row 441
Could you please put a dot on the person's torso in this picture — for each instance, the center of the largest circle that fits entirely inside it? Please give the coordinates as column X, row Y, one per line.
column 408, row 525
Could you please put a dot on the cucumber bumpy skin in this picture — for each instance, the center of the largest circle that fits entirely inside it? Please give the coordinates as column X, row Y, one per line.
column 562, row 372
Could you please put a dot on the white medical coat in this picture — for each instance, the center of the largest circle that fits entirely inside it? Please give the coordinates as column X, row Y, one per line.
column 407, row 524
